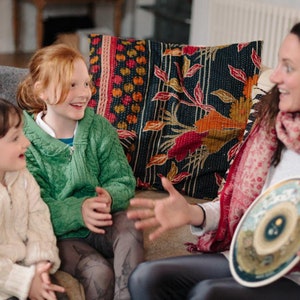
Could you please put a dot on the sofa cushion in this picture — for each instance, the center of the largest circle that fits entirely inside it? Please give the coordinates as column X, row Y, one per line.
column 74, row 290
column 9, row 80
column 186, row 106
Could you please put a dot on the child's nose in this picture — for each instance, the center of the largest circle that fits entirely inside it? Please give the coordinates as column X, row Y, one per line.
column 26, row 142
column 85, row 93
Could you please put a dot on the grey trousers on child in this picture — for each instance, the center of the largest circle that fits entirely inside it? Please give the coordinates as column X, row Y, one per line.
column 103, row 263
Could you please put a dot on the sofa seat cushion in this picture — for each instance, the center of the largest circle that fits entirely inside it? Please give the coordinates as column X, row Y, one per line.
column 74, row 289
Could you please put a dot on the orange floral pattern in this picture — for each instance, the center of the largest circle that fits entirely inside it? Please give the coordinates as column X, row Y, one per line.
column 180, row 110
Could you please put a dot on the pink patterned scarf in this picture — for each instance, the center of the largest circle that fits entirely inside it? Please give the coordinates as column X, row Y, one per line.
column 247, row 176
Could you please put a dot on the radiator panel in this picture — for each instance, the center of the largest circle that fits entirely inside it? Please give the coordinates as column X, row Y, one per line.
column 232, row 21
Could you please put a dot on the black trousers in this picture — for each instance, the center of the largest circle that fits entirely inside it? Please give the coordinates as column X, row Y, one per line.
column 200, row 276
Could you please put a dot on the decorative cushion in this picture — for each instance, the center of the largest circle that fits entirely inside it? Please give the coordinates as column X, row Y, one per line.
column 184, row 107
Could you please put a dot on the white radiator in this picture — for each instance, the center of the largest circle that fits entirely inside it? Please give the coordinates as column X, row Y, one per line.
column 246, row 20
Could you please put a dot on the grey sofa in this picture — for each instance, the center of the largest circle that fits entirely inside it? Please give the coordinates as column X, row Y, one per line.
column 9, row 79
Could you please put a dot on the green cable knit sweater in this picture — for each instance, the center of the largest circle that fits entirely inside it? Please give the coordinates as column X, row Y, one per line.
column 68, row 175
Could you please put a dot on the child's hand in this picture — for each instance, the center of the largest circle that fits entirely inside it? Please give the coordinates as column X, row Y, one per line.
column 41, row 286
column 96, row 211
column 104, row 197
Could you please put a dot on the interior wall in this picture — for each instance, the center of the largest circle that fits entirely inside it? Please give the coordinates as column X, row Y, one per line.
column 6, row 27
column 136, row 22
column 199, row 19
column 200, row 30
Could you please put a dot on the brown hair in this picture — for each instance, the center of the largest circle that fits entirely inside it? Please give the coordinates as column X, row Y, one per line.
column 296, row 30
column 51, row 66
column 10, row 115
column 269, row 107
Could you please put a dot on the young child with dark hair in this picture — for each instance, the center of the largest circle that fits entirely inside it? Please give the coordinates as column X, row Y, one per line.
column 28, row 251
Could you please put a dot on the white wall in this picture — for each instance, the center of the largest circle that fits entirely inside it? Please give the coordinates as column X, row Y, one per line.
column 206, row 31
column 6, row 27
column 199, row 20
column 136, row 22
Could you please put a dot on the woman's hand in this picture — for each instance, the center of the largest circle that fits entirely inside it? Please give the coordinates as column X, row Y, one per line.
column 41, row 287
column 96, row 211
column 166, row 213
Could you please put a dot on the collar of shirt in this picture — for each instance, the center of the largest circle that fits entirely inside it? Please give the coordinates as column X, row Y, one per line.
column 40, row 122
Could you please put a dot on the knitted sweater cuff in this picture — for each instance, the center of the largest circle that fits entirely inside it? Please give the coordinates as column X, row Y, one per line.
column 19, row 281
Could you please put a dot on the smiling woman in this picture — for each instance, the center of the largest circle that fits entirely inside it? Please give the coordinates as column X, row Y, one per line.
column 257, row 167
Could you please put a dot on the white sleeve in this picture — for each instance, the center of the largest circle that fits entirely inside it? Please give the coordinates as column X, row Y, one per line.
column 41, row 241
column 15, row 279
column 212, row 217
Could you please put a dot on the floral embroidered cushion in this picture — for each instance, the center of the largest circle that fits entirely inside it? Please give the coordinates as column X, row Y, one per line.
column 183, row 109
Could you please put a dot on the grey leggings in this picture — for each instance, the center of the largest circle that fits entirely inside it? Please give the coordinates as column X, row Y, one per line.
column 201, row 277
column 103, row 263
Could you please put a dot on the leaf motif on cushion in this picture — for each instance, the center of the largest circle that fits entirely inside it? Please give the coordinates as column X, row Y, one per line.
column 127, row 138
column 186, row 144
column 215, row 121
column 237, row 74
column 174, row 176
column 225, row 96
column 158, row 159
column 154, row 125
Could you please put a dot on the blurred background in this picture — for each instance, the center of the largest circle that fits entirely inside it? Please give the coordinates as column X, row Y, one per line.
column 26, row 25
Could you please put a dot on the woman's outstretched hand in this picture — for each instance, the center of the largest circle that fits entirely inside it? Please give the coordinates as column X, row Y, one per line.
column 164, row 214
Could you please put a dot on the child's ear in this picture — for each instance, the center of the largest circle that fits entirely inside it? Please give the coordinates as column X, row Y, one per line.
column 37, row 87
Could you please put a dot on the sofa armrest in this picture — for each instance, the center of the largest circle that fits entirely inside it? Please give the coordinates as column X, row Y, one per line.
column 9, row 80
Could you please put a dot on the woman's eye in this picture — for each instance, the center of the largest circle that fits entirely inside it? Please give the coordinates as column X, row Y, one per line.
column 72, row 84
column 288, row 69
